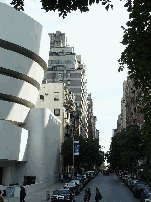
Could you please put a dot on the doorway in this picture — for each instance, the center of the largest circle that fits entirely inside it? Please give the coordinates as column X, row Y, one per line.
column 1, row 175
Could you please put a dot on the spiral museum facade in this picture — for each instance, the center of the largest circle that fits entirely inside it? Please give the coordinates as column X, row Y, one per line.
column 24, row 51
column 22, row 63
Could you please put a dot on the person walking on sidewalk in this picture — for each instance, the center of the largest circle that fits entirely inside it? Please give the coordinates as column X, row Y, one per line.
column 61, row 178
column 98, row 195
column 1, row 197
column 22, row 194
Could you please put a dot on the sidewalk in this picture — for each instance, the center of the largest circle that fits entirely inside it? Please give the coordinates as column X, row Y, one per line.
column 39, row 195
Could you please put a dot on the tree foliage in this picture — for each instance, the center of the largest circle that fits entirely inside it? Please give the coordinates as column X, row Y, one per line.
column 137, row 54
column 64, row 6
column 89, row 153
column 126, row 149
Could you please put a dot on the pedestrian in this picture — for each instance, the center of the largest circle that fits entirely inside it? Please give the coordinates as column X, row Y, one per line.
column 61, row 178
column 98, row 195
column 89, row 193
column 86, row 196
column 69, row 175
column 22, row 194
column 1, row 197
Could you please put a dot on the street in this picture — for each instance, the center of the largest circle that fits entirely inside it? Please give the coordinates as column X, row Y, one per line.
column 111, row 188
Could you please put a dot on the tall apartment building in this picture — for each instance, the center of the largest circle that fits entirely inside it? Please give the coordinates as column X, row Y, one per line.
column 130, row 112
column 65, row 66
column 90, row 117
column 132, row 107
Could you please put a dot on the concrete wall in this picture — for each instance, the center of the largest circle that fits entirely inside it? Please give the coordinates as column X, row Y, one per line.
column 13, row 141
column 47, row 90
column 43, row 156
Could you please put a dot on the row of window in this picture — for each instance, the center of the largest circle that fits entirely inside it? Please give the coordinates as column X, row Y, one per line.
column 60, row 75
column 61, row 53
column 61, row 61
column 56, row 96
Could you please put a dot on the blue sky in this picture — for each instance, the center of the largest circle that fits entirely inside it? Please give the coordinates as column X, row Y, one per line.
column 96, row 36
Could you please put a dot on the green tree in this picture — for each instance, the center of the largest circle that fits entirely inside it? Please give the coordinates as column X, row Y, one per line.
column 64, row 6
column 126, row 149
column 137, row 56
column 89, row 153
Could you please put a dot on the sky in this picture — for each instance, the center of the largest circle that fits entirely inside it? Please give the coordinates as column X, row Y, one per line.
column 96, row 36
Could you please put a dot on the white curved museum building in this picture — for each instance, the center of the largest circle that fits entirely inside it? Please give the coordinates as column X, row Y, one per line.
column 24, row 52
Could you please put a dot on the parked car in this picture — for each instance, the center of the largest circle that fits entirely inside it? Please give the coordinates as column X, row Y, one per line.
column 96, row 172
column 138, row 189
column 124, row 178
column 73, row 187
column 81, row 179
column 144, row 194
column 132, row 184
column 78, row 184
column 89, row 176
column 85, row 179
column 92, row 173
column 105, row 172
column 63, row 195
column 128, row 181
column 148, row 198
column 98, row 169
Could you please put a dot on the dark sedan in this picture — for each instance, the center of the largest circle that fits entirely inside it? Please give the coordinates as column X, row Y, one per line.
column 138, row 189
column 105, row 172
column 145, row 194
column 63, row 195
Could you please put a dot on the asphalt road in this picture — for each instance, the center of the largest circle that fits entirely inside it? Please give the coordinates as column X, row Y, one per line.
column 111, row 188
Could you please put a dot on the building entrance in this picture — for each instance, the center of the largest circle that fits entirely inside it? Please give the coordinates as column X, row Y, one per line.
column 1, row 175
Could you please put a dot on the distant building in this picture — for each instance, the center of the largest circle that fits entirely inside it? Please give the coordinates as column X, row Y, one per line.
column 65, row 66
column 90, row 117
column 94, row 126
column 130, row 111
column 57, row 98
column 133, row 115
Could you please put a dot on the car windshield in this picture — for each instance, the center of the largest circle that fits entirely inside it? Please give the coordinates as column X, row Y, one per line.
column 59, row 192
column 77, row 181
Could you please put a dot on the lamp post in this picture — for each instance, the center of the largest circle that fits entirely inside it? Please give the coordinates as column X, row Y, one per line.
column 73, row 143
column 73, row 155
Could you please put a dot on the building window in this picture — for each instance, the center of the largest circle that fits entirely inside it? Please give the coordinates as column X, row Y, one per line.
column 63, row 61
column 54, row 68
column 72, row 61
column 57, row 112
column 60, row 75
column 28, row 180
column 56, row 96
column 68, row 82
column 77, row 104
column 41, row 97
column 69, row 75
